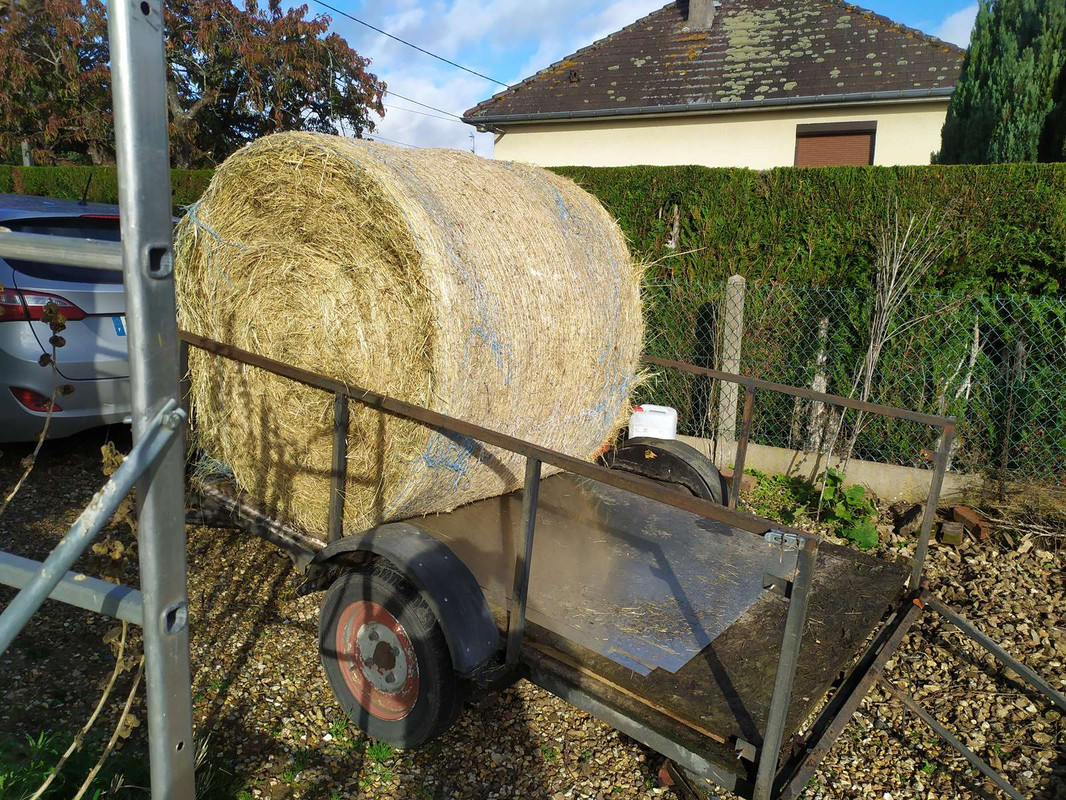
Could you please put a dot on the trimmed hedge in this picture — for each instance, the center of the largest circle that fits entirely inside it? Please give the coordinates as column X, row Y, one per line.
column 804, row 227
column 814, row 227
column 68, row 183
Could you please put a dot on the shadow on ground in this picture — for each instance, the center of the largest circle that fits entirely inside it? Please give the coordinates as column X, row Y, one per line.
column 264, row 714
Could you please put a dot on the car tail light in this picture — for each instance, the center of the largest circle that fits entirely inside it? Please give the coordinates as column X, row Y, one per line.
column 11, row 307
column 30, row 305
column 34, row 401
column 99, row 216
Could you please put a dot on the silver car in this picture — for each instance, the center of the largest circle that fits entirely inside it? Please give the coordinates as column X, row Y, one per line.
column 93, row 360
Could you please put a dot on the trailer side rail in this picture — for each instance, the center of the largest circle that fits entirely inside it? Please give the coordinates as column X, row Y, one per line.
column 946, row 425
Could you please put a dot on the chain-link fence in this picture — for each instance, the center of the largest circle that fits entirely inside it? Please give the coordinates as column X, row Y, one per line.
column 998, row 363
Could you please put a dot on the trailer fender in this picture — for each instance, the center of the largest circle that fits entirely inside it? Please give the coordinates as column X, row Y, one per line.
column 670, row 461
column 449, row 587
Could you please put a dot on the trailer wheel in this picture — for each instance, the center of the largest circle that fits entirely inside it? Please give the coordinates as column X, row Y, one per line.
column 671, row 462
column 386, row 657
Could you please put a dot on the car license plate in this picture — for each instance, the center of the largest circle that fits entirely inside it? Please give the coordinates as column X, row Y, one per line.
column 120, row 326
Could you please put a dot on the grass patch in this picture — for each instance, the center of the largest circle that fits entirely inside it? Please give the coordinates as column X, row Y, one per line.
column 848, row 511
column 26, row 763
column 781, row 497
column 379, row 752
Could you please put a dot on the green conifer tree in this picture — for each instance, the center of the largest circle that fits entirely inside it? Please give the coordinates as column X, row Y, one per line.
column 1008, row 103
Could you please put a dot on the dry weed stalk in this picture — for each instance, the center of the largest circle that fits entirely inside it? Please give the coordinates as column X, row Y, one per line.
column 907, row 249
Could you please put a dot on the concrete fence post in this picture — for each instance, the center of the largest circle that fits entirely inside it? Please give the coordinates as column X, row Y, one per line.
column 732, row 337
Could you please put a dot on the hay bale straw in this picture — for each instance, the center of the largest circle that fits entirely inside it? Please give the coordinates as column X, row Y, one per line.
column 498, row 293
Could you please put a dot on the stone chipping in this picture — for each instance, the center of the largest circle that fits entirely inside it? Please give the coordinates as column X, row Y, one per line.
column 275, row 731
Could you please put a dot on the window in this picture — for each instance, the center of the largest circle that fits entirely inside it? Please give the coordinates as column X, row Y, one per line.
column 835, row 144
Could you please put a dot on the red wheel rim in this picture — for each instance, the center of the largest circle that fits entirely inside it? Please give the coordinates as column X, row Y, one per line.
column 377, row 660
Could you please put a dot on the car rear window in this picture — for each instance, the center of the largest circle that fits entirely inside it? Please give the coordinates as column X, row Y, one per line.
column 103, row 228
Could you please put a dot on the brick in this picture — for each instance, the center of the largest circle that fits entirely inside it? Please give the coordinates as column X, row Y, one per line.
column 951, row 533
column 906, row 518
column 747, row 483
column 971, row 521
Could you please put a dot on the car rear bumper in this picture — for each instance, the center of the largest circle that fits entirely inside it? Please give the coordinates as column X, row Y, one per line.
column 93, row 402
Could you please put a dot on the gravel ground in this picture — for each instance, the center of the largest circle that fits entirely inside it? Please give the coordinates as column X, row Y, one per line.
column 275, row 731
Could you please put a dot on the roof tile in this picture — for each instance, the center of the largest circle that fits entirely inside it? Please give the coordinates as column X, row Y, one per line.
column 756, row 50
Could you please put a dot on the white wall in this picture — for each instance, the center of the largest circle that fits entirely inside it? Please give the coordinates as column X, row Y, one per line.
column 907, row 133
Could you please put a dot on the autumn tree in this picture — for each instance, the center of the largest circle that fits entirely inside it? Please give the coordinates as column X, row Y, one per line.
column 54, row 85
column 233, row 74
column 1008, row 103
column 236, row 75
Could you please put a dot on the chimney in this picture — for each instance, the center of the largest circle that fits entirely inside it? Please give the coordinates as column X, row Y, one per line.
column 701, row 13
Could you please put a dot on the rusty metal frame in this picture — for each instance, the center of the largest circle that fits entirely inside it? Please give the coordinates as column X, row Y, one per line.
column 941, row 458
column 443, row 422
column 838, row 712
column 768, row 773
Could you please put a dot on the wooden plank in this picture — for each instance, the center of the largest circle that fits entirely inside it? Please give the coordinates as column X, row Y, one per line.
column 570, row 663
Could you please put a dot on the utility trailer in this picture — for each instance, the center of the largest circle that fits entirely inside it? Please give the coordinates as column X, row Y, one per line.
column 711, row 714
column 632, row 589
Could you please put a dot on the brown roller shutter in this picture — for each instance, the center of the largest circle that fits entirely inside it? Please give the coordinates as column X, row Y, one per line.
column 839, row 144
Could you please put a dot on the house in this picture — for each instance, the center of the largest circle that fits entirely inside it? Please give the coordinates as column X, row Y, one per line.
column 736, row 83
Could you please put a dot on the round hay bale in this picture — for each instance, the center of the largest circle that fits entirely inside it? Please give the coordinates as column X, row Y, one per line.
column 498, row 293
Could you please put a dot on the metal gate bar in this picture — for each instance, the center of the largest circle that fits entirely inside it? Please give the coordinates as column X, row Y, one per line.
column 948, row 737
column 135, row 37
column 76, row 589
column 90, row 522
column 997, row 652
column 135, row 33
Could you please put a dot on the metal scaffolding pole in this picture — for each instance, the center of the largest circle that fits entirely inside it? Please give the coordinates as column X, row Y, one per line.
column 135, row 31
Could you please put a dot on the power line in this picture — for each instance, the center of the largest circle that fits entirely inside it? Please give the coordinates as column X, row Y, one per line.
column 424, row 114
column 491, row 128
column 373, row 136
column 424, row 105
column 409, row 44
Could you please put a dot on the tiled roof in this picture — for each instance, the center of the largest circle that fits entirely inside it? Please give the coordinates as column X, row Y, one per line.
column 756, row 52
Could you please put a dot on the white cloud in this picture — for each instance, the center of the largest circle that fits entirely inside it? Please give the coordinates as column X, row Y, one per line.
column 509, row 39
column 956, row 27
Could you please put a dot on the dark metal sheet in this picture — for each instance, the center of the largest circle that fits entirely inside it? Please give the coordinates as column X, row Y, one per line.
column 642, row 583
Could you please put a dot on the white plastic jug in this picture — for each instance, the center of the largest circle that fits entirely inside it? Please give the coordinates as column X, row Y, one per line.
column 658, row 422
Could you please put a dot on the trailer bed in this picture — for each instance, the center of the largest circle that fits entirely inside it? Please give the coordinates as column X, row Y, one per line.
column 662, row 612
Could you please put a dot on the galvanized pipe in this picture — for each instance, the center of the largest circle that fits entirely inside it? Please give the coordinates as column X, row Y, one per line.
column 943, row 454
column 63, row 250
column 138, row 69
column 1000, row 654
column 947, row 736
column 516, row 617
column 786, row 671
column 104, row 503
column 76, row 589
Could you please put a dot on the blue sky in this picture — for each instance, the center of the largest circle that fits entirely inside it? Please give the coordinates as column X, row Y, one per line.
column 511, row 39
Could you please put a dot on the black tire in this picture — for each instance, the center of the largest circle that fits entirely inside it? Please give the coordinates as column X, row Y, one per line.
column 673, row 463
column 437, row 700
